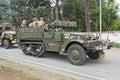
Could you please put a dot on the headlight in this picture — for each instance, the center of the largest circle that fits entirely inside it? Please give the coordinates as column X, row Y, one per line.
column 11, row 37
column 99, row 47
column 78, row 37
column 72, row 37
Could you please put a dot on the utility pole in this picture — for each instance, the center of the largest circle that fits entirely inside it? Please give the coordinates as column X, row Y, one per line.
column 100, row 1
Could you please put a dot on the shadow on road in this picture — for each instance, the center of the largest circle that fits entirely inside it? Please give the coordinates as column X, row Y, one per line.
column 61, row 58
column 55, row 56
column 11, row 47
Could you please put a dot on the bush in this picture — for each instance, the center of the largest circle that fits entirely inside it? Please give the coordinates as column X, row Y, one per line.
column 116, row 45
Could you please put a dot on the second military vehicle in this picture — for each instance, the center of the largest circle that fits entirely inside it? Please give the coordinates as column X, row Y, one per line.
column 36, row 41
column 7, row 35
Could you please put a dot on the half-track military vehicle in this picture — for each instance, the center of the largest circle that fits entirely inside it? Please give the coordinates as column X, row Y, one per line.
column 36, row 41
column 7, row 35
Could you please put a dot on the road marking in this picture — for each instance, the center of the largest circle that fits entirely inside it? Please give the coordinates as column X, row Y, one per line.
column 53, row 67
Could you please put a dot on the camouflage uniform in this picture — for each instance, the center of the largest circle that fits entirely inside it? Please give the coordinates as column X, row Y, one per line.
column 34, row 23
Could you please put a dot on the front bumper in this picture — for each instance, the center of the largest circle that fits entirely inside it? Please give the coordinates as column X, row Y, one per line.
column 97, row 48
column 96, row 45
column 100, row 47
column 13, row 41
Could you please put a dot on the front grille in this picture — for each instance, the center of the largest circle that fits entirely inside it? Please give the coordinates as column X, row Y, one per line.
column 92, row 43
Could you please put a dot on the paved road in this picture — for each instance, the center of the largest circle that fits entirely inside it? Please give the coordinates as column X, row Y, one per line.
column 107, row 69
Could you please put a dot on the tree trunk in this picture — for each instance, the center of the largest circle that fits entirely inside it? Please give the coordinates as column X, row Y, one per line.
column 87, row 16
column 56, row 9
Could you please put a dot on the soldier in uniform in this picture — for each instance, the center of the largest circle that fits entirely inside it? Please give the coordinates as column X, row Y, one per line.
column 23, row 24
column 38, row 23
column 41, row 22
column 34, row 23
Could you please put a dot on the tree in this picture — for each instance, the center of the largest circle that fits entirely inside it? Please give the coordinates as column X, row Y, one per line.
column 109, row 9
column 4, row 10
column 67, row 6
column 87, row 16
column 28, row 9
column 81, row 14
column 56, row 9
column 94, row 14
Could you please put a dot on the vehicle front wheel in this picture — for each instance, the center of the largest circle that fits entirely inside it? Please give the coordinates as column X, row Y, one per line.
column 6, row 43
column 76, row 54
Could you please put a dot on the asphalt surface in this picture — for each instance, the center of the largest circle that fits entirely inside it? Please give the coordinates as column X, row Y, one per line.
column 107, row 69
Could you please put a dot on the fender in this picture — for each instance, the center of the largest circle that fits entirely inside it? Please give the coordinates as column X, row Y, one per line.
column 69, row 42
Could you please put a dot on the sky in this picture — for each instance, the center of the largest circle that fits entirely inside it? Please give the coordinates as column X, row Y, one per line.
column 118, row 1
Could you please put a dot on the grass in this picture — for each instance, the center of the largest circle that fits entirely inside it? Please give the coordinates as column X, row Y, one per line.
column 116, row 45
column 1, row 59
column 34, row 73
column 16, row 68
column 10, row 69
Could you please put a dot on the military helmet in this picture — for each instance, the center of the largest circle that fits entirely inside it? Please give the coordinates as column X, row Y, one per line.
column 35, row 19
column 41, row 18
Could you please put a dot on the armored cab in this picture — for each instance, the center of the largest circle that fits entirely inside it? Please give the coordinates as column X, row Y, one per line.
column 36, row 41
column 7, row 35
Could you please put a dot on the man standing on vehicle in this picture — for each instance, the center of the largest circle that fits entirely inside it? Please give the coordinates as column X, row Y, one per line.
column 23, row 24
column 34, row 23
column 41, row 23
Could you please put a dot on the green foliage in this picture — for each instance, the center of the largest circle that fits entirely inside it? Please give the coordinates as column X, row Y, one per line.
column 79, row 15
column 67, row 6
column 109, row 14
column 116, row 45
column 94, row 15
column 115, row 25
column 76, row 9
column 16, row 10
